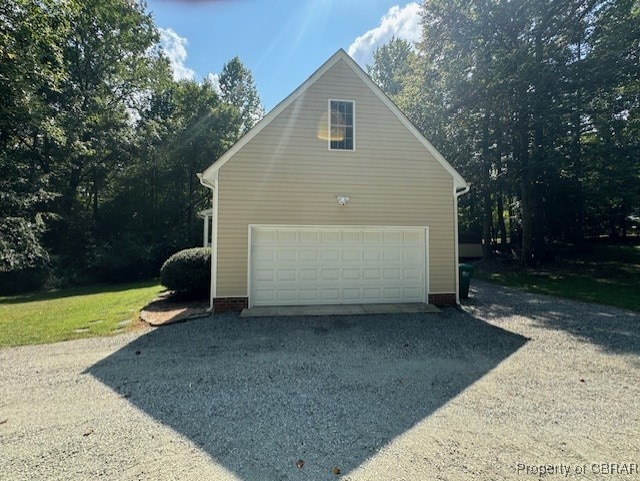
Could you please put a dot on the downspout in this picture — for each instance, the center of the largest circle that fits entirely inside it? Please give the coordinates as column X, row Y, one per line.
column 457, row 193
column 211, row 185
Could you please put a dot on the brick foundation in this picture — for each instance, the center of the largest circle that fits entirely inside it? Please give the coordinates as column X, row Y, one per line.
column 224, row 304
column 442, row 300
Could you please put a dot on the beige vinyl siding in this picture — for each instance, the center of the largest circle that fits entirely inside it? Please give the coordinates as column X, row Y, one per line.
column 286, row 175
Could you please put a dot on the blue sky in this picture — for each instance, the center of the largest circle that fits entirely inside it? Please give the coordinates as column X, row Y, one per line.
column 282, row 42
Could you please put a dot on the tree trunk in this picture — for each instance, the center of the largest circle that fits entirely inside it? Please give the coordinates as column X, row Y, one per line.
column 502, row 228
column 526, row 202
column 487, row 213
column 576, row 159
column 94, row 194
column 538, row 157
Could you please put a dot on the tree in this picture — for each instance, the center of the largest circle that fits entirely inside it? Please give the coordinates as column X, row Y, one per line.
column 536, row 103
column 391, row 65
column 612, row 140
column 239, row 90
column 153, row 210
column 110, row 66
column 31, row 71
column 99, row 147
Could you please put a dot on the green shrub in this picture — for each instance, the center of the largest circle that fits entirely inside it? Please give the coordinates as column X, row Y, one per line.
column 127, row 258
column 188, row 272
column 31, row 279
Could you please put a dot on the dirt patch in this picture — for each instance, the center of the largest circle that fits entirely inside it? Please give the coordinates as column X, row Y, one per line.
column 167, row 309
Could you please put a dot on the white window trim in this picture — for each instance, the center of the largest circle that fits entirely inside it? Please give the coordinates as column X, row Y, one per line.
column 353, row 102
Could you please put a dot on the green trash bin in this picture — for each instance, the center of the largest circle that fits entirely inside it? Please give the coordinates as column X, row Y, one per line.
column 465, row 271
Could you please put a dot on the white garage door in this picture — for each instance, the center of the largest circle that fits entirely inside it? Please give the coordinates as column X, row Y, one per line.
column 337, row 265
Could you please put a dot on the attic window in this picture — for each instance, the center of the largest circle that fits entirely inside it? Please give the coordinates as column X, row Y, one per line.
column 341, row 125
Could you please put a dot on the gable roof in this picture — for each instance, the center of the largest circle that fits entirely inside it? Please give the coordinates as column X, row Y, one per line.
column 209, row 173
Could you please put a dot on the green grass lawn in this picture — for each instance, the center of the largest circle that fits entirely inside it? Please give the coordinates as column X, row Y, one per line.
column 601, row 274
column 65, row 314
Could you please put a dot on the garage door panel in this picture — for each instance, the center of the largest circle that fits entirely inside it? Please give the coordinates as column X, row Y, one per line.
column 265, row 274
column 412, row 237
column 330, row 295
column 264, row 297
column 412, row 256
column 371, row 294
column 371, row 254
column 309, row 237
column 286, row 255
column 309, row 296
column 372, row 237
column 392, row 255
column 330, row 255
column 287, row 274
column 392, row 293
column 351, row 237
column 308, row 255
column 330, row 274
column 332, row 237
column 371, row 274
column 412, row 274
column 411, row 292
column 264, row 236
column 391, row 274
column 351, row 294
column 337, row 265
column 264, row 254
column 286, row 296
column 308, row 275
column 350, row 255
column 350, row 274
column 392, row 237
column 287, row 237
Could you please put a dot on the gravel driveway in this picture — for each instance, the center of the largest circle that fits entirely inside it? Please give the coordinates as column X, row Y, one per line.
column 519, row 386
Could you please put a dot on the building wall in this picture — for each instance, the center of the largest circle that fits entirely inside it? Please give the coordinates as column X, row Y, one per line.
column 287, row 175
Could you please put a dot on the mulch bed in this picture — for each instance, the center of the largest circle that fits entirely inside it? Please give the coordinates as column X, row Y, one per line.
column 168, row 309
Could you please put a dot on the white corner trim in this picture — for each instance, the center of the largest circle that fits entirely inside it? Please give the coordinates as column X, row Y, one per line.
column 249, row 236
column 457, row 193
column 214, row 239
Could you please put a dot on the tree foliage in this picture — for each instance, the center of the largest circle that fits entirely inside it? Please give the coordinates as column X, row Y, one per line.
column 239, row 90
column 31, row 72
column 536, row 103
column 99, row 147
column 391, row 64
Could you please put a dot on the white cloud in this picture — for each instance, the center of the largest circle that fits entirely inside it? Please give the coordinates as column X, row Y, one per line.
column 214, row 78
column 173, row 46
column 399, row 22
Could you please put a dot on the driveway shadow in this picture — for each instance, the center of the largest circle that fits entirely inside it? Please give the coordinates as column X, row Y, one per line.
column 258, row 395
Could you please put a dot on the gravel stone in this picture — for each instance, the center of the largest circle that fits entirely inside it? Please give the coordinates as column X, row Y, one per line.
column 512, row 384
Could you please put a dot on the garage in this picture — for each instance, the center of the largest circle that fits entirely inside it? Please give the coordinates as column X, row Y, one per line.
column 337, row 265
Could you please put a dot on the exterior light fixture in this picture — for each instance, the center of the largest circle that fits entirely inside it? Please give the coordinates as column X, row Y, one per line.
column 342, row 199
